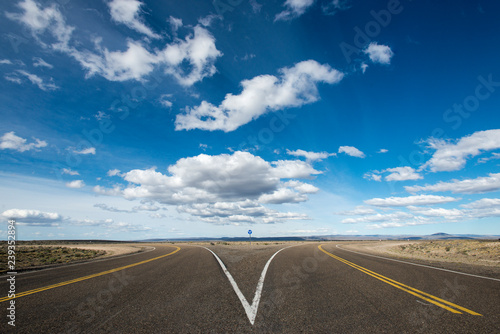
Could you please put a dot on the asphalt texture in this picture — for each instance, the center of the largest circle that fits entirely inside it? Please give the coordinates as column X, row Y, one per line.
column 305, row 291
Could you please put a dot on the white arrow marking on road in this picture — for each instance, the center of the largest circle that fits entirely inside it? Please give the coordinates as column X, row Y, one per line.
column 250, row 310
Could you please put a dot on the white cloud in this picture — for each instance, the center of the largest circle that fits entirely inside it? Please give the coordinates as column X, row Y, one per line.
column 198, row 50
column 451, row 156
column 377, row 53
column 175, row 23
column 402, row 174
column 448, row 214
column 13, row 78
column 90, row 150
column 39, row 62
column 295, row 87
column 410, row 200
column 105, row 207
column 358, row 211
column 235, row 213
column 420, row 221
column 207, row 20
column 113, row 172
column 211, row 182
column 374, row 176
column 110, row 224
column 5, row 62
column 189, row 60
column 165, row 100
column 36, row 80
column 352, row 151
column 76, row 184
column 294, row 8
column 128, row 13
column 101, row 115
column 483, row 203
column 39, row 20
column 33, row 217
column 10, row 141
column 334, row 6
column 468, row 186
column 494, row 156
column 311, row 156
column 69, row 172
column 383, row 150
column 378, row 217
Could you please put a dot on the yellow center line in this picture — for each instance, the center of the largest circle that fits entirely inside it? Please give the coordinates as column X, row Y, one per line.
column 86, row 277
column 420, row 294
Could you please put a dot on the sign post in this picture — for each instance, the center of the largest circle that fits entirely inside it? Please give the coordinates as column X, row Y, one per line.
column 250, row 236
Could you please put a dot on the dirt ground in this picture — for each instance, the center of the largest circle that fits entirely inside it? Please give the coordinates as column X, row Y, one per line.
column 475, row 256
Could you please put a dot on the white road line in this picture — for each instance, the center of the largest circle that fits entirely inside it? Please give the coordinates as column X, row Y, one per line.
column 250, row 310
column 420, row 265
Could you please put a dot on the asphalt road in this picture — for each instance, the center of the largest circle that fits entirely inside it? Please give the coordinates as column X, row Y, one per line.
column 184, row 289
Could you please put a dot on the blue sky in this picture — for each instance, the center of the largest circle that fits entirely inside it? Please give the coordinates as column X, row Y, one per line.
column 144, row 119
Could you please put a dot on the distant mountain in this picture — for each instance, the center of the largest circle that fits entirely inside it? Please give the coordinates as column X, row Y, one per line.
column 435, row 236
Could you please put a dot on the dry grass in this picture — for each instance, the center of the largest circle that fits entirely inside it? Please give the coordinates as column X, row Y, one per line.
column 463, row 251
column 35, row 256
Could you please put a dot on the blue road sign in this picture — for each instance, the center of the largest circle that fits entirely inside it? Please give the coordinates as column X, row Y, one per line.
column 249, row 231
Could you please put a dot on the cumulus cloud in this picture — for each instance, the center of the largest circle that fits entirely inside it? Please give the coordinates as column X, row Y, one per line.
column 453, row 155
column 311, row 156
column 295, row 87
column 33, row 217
column 374, row 176
column 189, row 60
column 352, row 151
column 294, row 8
column 69, row 171
column 380, row 54
column 75, row 184
column 468, row 186
column 209, row 182
column 410, row 200
column 402, row 174
column 10, row 141
column 39, row 20
column 113, row 172
column 128, row 13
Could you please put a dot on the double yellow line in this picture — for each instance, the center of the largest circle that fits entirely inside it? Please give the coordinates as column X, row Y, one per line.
column 417, row 293
column 22, row 294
